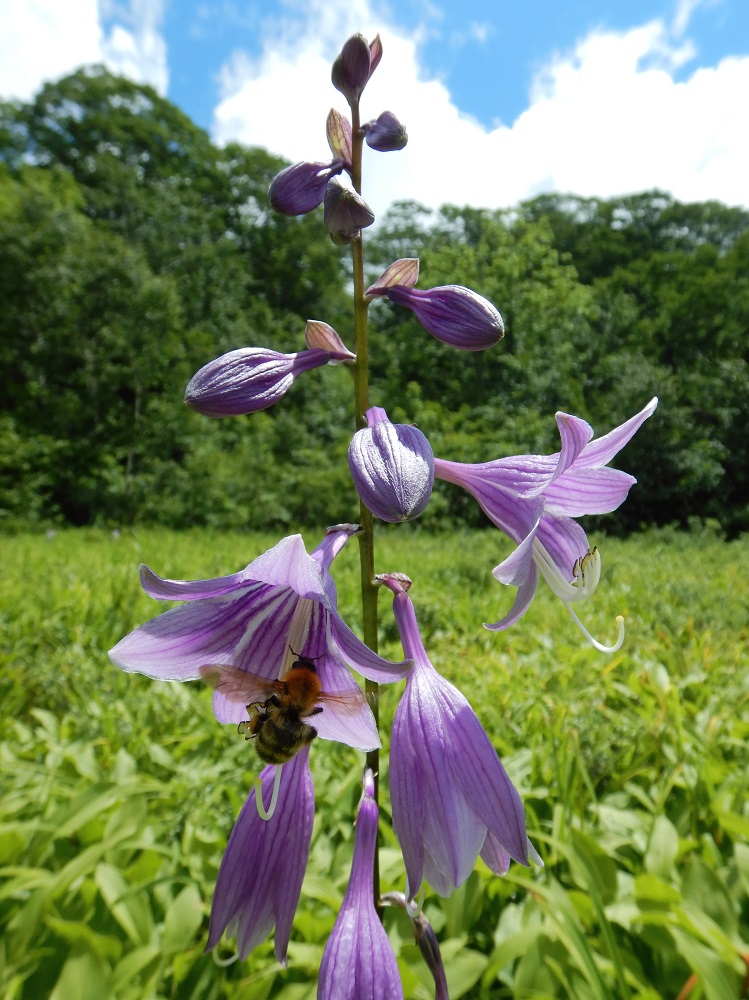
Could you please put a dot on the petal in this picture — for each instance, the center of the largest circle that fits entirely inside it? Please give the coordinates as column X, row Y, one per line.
column 523, row 599
column 288, row 564
column 189, row 590
column 514, row 570
column 361, row 657
column 588, row 491
column 602, row 450
column 563, row 541
column 261, row 854
column 479, row 772
column 407, row 794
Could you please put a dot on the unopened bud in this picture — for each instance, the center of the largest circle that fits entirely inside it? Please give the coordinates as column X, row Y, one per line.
column 354, row 66
column 249, row 379
column 338, row 129
column 453, row 314
column 345, row 212
column 392, row 466
column 299, row 188
column 385, row 133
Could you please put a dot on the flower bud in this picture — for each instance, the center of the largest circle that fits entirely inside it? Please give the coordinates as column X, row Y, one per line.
column 249, row 379
column 401, row 272
column 385, row 133
column 354, row 66
column 319, row 334
column 453, row 314
column 345, row 212
column 338, row 129
column 299, row 188
column 392, row 466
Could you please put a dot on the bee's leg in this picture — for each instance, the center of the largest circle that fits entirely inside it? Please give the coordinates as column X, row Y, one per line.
column 309, row 733
column 315, row 711
column 248, row 726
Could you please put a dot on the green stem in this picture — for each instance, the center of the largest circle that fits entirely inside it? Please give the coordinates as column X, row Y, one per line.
column 369, row 590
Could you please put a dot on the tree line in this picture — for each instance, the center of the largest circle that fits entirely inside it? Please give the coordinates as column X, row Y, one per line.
column 133, row 250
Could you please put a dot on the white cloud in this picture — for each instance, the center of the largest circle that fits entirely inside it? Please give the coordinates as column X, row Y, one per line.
column 42, row 40
column 607, row 118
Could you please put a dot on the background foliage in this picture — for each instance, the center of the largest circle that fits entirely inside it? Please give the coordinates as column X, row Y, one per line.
column 132, row 251
column 119, row 792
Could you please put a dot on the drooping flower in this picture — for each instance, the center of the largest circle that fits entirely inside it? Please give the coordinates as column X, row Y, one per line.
column 299, row 188
column 251, row 379
column 260, row 878
column 392, row 466
column 358, row 962
column 257, row 620
column 534, row 498
column 345, row 212
column 456, row 315
column 451, row 797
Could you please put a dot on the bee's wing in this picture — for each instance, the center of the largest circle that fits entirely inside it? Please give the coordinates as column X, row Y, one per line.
column 237, row 685
column 349, row 703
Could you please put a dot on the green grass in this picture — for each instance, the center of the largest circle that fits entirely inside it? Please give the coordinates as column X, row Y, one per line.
column 119, row 793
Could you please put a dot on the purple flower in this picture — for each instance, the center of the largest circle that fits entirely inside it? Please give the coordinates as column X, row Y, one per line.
column 250, row 379
column 358, row 962
column 354, row 66
column 451, row 798
column 345, row 212
column 534, row 498
column 285, row 600
column 298, row 189
column 453, row 314
column 260, row 878
column 385, row 133
column 392, row 466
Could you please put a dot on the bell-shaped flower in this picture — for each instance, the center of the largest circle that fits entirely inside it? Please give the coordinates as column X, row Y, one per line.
column 260, row 878
column 392, row 466
column 258, row 620
column 345, row 212
column 358, row 962
column 451, row 797
column 354, row 66
column 385, row 133
column 251, row 379
column 534, row 498
column 298, row 189
column 456, row 315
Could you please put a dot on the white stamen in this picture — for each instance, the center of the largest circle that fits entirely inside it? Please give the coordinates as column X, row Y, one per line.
column 586, row 574
column 297, row 632
column 594, row 642
column 223, row 962
column 262, row 813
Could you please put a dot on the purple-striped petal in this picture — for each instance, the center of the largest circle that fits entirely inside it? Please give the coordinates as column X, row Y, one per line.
column 248, row 380
column 358, row 962
column 526, row 593
column 260, row 878
column 443, row 764
column 603, row 449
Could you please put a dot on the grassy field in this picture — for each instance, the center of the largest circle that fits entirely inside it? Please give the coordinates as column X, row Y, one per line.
column 119, row 793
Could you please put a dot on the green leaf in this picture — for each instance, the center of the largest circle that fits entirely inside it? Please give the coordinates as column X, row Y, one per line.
column 663, row 848
column 129, row 907
column 85, row 976
column 183, row 920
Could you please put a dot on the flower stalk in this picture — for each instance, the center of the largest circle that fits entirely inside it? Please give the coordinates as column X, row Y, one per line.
column 369, row 589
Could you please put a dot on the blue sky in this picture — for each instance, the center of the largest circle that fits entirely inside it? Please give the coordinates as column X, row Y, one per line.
column 502, row 99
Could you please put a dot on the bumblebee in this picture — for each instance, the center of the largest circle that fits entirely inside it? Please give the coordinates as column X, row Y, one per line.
column 278, row 709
